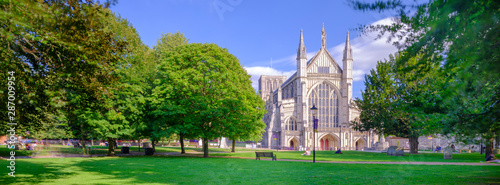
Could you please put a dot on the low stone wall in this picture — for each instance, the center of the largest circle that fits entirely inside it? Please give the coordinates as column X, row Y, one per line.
column 425, row 143
column 403, row 142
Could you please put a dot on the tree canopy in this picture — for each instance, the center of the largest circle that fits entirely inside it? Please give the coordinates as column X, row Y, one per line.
column 398, row 98
column 197, row 87
column 60, row 52
column 462, row 34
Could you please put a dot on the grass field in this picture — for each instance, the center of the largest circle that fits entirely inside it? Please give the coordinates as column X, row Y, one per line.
column 249, row 153
column 194, row 170
column 367, row 156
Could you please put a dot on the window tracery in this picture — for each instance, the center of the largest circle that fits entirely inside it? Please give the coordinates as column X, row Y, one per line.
column 291, row 124
column 326, row 100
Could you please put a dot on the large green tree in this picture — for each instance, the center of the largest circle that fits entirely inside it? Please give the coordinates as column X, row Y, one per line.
column 195, row 84
column 61, row 54
column 156, row 122
column 376, row 100
column 124, row 111
column 244, row 114
column 399, row 98
column 462, row 32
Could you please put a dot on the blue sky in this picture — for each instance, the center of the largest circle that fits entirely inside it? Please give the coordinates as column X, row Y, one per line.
column 258, row 32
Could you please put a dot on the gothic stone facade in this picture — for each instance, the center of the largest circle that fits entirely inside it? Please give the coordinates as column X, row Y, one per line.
column 321, row 82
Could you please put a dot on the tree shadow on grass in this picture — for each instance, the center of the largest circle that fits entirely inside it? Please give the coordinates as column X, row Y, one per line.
column 133, row 169
column 33, row 173
column 5, row 152
column 159, row 169
column 196, row 170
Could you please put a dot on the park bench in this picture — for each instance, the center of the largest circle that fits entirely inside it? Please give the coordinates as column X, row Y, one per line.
column 265, row 154
column 464, row 150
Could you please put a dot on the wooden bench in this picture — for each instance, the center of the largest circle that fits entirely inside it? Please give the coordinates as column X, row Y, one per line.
column 265, row 154
column 464, row 150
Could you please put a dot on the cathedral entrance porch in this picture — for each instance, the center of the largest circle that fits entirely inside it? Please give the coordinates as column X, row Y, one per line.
column 360, row 144
column 328, row 142
column 294, row 144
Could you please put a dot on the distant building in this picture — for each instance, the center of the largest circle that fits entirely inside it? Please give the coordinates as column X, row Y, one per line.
column 321, row 82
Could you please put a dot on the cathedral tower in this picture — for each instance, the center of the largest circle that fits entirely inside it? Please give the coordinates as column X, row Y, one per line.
column 301, row 57
column 301, row 83
column 347, row 77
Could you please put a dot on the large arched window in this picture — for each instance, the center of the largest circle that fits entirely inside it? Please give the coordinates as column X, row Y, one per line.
column 327, row 101
column 291, row 124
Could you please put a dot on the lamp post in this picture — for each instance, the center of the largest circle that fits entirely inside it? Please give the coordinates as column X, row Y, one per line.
column 314, row 111
column 340, row 137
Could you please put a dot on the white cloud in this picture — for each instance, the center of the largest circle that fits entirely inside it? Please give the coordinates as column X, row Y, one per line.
column 366, row 52
column 358, row 75
column 258, row 70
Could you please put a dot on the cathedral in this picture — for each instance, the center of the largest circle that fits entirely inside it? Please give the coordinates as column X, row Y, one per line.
column 319, row 82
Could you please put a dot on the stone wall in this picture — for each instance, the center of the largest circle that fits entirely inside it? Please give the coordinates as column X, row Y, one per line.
column 403, row 142
column 429, row 143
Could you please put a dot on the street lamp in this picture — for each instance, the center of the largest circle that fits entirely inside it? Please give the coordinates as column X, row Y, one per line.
column 314, row 111
column 340, row 137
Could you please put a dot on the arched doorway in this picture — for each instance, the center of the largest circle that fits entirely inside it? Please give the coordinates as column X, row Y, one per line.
column 360, row 144
column 294, row 144
column 328, row 142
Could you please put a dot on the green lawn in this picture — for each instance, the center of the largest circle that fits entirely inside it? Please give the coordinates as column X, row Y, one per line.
column 193, row 170
column 250, row 153
column 367, row 156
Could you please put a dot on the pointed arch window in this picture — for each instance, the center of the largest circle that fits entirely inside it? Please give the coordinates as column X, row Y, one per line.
column 291, row 124
column 326, row 100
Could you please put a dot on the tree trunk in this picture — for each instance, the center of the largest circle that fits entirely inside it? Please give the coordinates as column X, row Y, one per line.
column 413, row 145
column 183, row 151
column 489, row 147
column 111, row 147
column 234, row 143
column 139, row 144
column 154, row 144
column 205, row 147
column 82, row 138
column 83, row 145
